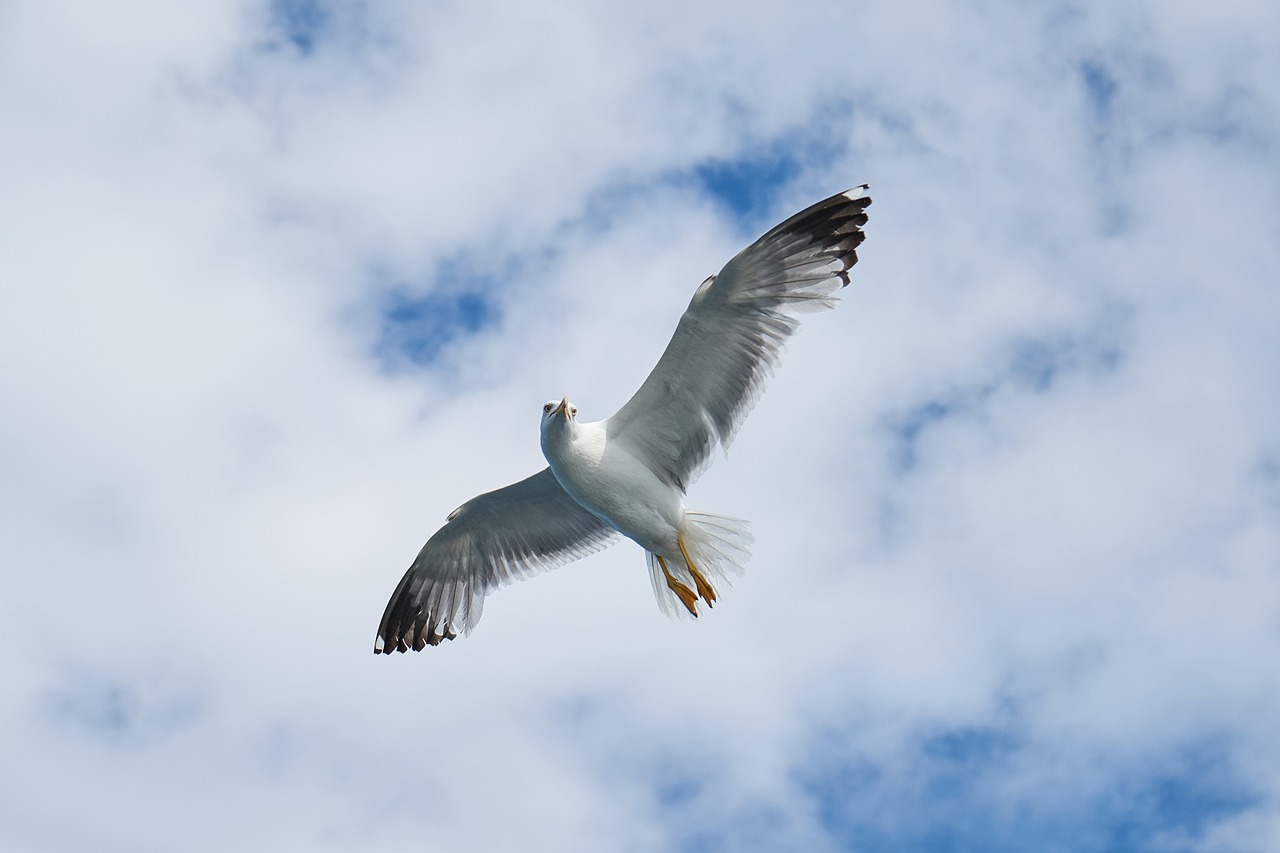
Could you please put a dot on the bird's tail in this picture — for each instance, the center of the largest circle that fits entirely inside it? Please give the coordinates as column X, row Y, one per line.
column 717, row 546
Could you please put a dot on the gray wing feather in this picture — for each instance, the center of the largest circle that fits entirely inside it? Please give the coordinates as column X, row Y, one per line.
column 491, row 540
column 732, row 333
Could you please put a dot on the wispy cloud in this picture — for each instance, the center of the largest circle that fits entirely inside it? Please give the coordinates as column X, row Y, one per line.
column 122, row 710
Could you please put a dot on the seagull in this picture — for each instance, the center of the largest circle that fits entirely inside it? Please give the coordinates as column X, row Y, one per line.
column 628, row 475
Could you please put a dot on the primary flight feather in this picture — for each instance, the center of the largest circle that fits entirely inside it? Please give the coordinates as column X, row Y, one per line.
column 628, row 475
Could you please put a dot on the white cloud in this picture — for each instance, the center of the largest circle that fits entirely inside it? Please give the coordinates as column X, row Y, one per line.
column 1059, row 617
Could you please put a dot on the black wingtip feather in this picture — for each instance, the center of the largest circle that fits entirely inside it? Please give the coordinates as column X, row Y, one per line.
column 840, row 216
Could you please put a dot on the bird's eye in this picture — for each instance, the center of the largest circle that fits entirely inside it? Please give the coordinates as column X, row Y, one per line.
column 548, row 407
column 573, row 410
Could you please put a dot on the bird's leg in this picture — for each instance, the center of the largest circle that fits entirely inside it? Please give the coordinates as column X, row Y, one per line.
column 686, row 595
column 704, row 586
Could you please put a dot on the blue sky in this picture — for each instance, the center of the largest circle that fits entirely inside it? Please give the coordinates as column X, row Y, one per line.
column 286, row 282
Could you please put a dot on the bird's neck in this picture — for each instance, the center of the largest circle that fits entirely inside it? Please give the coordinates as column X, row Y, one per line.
column 570, row 445
column 557, row 438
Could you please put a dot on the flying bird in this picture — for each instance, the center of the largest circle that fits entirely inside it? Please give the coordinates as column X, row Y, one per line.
column 628, row 475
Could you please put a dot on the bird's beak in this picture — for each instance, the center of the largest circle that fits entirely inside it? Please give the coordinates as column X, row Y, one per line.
column 563, row 407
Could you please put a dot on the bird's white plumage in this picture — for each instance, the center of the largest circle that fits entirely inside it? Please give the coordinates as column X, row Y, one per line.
column 629, row 474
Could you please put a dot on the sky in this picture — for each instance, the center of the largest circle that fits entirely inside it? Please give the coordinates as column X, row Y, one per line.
column 283, row 283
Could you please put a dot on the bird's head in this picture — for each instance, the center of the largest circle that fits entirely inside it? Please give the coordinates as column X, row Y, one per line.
column 561, row 412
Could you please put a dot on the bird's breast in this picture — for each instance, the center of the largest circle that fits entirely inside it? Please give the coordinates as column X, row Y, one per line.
column 614, row 485
column 577, row 458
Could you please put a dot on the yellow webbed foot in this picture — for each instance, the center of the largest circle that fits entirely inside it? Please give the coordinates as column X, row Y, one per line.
column 704, row 586
column 686, row 595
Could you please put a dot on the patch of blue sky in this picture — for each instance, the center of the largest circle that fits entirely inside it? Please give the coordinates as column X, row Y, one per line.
column 1100, row 89
column 678, row 790
column 748, row 183
column 1176, row 800
column 302, row 23
column 415, row 329
column 969, row 744
column 966, row 791
column 747, row 186
column 744, row 186
column 745, row 181
column 416, row 324
column 363, row 37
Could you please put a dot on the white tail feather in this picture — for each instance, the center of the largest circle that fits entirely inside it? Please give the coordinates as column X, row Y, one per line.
column 718, row 545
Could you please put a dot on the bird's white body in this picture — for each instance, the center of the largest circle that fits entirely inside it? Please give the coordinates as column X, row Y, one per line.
column 613, row 483
column 610, row 477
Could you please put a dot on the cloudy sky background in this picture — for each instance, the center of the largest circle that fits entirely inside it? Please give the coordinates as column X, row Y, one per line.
column 284, row 283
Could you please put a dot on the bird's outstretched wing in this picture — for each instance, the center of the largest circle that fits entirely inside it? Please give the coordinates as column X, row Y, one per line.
column 490, row 540
column 731, row 334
